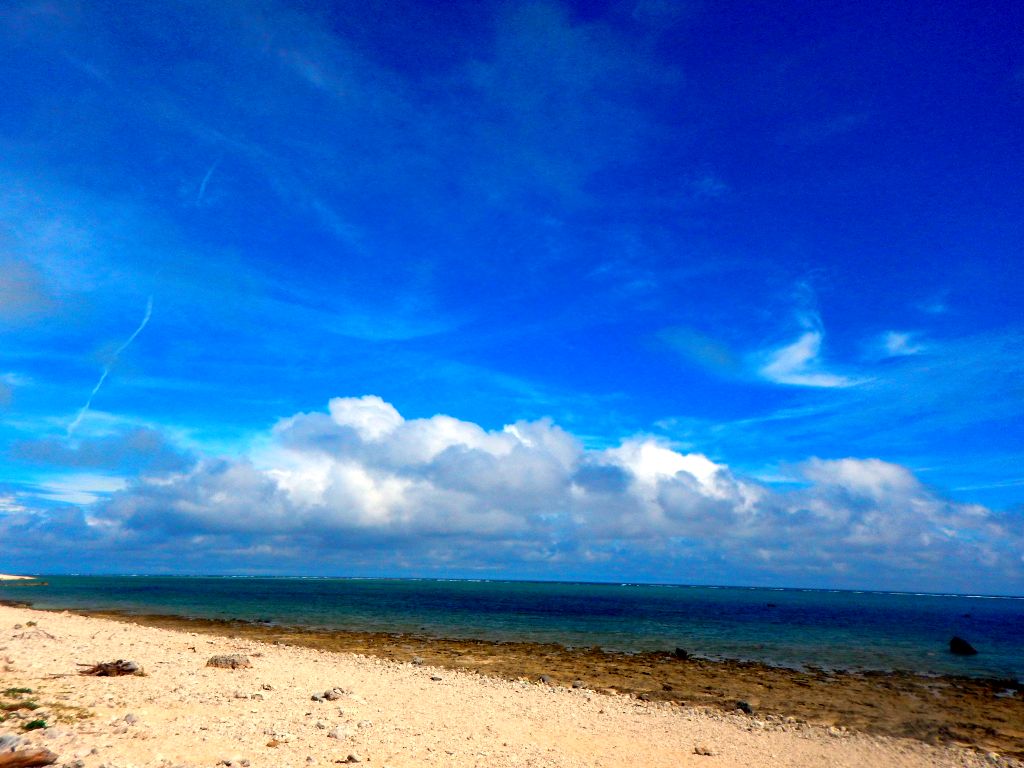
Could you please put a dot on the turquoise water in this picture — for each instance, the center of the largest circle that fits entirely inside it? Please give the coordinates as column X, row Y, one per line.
column 794, row 628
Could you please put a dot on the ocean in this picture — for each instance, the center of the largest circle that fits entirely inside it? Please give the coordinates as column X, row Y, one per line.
column 795, row 628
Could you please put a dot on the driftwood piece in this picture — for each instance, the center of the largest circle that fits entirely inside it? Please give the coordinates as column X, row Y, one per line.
column 111, row 668
column 27, row 758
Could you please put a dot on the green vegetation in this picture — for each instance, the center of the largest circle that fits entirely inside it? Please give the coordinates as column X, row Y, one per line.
column 33, row 725
column 11, row 692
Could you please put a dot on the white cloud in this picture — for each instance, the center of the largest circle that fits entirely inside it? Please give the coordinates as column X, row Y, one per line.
column 80, row 488
column 798, row 364
column 370, row 416
column 899, row 344
column 454, row 492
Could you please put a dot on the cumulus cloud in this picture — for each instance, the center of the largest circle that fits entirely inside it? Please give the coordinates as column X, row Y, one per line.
column 416, row 493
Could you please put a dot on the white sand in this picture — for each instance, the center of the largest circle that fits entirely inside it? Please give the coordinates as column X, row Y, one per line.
column 12, row 577
column 184, row 713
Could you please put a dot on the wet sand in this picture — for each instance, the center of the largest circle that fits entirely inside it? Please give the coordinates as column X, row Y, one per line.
column 987, row 715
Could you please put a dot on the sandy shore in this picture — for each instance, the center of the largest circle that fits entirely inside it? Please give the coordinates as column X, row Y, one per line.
column 12, row 577
column 390, row 713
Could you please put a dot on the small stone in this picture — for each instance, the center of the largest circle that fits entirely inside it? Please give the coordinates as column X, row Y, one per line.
column 364, row 724
column 417, row 660
column 267, row 687
column 131, row 719
column 577, row 684
column 644, row 697
column 744, row 707
column 544, row 678
column 703, row 749
column 682, row 654
column 435, row 678
column 336, row 733
column 316, row 697
column 241, row 695
column 834, row 732
column 9, row 741
column 229, row 661
column 352, row 758
column 321, row 726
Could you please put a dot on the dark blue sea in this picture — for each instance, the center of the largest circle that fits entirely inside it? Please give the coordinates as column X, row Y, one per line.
column 785, row 627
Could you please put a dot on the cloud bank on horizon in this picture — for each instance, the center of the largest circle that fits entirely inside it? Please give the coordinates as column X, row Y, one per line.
column 710, row 294
column 364, row 489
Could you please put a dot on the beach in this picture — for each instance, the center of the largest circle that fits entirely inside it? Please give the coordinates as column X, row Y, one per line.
column 384, row 711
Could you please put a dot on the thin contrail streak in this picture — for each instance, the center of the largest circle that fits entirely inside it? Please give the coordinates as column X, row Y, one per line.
column 206, row 180
column 106, row 370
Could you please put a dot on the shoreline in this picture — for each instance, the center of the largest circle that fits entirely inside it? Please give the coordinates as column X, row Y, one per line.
column 14, row 577
column 983, row 714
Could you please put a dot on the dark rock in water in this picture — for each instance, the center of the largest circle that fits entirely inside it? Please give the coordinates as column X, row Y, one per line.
column 229, row 661
column 960, row 647
column 744, row 707
column 682, row 654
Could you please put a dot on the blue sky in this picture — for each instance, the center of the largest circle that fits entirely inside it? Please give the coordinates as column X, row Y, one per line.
column 694, row 292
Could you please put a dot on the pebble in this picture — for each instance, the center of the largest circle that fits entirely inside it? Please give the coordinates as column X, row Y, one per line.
column 702, row 749
column 577, row 684
column 435, row 678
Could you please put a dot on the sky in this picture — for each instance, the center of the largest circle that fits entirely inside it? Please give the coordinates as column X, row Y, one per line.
column 708, row 293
